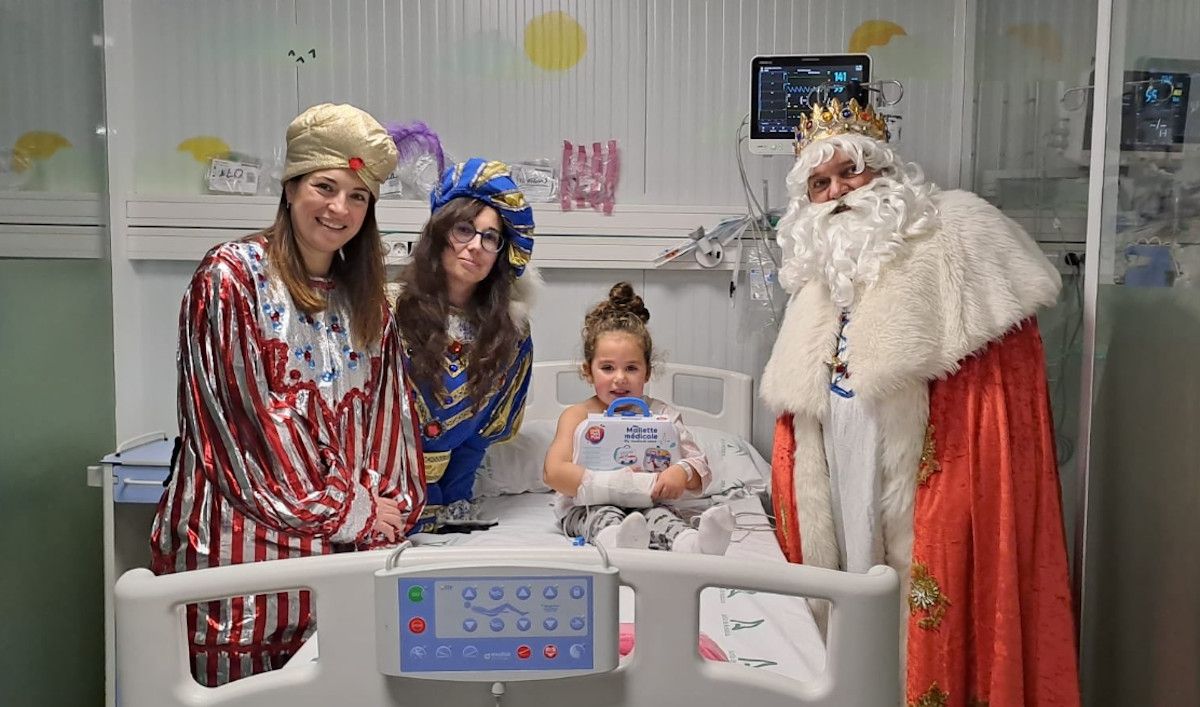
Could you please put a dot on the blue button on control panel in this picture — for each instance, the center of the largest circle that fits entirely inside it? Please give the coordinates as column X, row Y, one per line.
column 530, row 623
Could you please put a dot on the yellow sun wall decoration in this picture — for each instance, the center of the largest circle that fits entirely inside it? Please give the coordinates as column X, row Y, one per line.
column 873, row 33
column 554, row 41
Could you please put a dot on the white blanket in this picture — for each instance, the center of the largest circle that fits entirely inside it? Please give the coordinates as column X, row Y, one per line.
column 758, row 630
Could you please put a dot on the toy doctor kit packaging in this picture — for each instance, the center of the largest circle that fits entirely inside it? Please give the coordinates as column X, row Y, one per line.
column 614, row 440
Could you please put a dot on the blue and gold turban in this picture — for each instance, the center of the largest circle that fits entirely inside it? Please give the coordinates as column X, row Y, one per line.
column 491, row 182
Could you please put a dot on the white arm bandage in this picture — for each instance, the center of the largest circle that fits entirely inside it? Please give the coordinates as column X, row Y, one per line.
column 615, row 488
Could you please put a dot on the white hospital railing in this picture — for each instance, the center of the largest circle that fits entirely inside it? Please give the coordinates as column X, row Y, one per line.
column 862, row 663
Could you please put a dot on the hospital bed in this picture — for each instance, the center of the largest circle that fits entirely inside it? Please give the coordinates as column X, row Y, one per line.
column 750, row 603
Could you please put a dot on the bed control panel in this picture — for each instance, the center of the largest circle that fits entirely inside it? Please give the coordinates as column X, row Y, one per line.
column 497, row 620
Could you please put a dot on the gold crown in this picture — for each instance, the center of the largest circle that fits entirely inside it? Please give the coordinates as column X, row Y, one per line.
column 839, row 118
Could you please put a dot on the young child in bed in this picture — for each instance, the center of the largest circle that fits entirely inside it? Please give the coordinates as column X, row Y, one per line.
column 629, row 508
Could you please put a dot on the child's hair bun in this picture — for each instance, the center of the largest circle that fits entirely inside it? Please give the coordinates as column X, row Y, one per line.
column 622, row 299
column 622, row 312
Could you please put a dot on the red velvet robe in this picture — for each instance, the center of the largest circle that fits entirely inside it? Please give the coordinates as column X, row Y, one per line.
column 991, row 620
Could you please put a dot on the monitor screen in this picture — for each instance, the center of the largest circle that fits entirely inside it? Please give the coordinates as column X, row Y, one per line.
column 1154, row 106
column 781, row 87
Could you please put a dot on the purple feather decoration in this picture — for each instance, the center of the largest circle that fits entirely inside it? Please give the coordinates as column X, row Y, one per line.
column 414, row 139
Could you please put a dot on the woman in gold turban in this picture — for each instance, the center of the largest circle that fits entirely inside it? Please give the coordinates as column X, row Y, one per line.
column 296, row 433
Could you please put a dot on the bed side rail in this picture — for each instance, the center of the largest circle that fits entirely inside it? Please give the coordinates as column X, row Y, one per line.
column 862, row 665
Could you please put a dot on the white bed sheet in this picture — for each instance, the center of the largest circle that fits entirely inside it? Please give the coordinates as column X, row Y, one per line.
column 762, row 631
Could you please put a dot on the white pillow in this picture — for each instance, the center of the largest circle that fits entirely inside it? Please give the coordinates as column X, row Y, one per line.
column 515, row 466
column 734, row 462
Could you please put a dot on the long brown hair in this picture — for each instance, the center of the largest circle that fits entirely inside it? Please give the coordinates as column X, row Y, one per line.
column 423, row 309
column 360, row 273
column 622, row 312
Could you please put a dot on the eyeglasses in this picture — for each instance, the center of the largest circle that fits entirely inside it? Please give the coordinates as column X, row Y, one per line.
column 463, row 233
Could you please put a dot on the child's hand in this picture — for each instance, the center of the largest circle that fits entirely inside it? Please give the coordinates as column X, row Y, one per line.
column 670, row 484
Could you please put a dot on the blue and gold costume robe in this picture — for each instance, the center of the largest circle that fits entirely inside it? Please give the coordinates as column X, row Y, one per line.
column 455, row 431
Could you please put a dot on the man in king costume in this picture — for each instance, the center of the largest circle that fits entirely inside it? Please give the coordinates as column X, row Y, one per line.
column 915, row 427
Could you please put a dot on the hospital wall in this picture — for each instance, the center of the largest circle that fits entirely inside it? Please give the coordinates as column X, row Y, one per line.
column 56, row 398
column 667, row 79
column 675, row 119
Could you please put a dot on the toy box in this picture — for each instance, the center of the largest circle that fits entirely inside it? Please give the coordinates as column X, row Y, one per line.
column 616, row 440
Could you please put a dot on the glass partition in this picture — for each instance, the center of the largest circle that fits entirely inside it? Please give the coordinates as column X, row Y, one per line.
column 1141, row 620
column 56, row 394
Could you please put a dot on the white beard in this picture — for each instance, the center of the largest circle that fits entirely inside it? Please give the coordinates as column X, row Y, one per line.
column 850, row 247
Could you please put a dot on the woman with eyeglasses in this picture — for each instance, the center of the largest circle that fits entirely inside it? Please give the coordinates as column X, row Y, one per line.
column 463, row 313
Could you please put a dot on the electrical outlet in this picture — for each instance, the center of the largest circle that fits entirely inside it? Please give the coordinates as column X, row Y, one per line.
column 1067, row 257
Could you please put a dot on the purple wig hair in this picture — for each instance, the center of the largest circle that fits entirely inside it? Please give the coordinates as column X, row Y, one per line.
column 415, row 138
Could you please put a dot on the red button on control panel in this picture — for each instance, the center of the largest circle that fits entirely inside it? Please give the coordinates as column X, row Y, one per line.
column 551, row 651
column 416, row 625
column 523, row 652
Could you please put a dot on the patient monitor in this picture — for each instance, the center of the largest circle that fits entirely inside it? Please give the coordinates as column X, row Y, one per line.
column 780, row 89
column 1159, row 105
column 439, row 618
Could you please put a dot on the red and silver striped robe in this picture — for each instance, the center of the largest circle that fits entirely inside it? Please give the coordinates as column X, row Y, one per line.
column 287, row 431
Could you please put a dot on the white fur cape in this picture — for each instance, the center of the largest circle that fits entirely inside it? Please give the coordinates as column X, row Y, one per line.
column 944, row 297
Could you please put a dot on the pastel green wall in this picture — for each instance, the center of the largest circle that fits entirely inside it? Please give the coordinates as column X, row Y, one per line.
column 56, row 418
